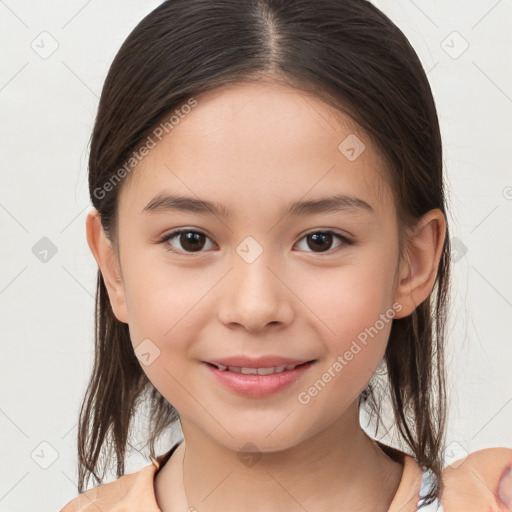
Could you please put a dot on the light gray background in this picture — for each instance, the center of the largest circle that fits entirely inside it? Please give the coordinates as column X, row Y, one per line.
column 48, row 108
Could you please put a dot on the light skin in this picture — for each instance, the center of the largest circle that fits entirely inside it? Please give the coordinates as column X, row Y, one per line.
column 256, row 148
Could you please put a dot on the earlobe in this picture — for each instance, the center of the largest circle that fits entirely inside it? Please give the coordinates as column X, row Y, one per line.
column 105, row 256
column 418, row 271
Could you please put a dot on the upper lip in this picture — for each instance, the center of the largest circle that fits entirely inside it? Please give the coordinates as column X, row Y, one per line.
column 258, row 362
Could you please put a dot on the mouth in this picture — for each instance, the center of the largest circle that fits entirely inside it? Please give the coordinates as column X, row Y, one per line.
column 258, row 381
column 267, row 370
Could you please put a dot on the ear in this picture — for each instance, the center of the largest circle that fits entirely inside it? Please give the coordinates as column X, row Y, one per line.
column 105, row 256
column 418, row 270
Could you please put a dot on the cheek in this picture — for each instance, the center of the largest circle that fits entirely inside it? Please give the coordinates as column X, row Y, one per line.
column 165, row 314
column 350, row 298
column 164, row 306
column 361, row 326
column 355, row 308
column 161, row 293
column 167, row 310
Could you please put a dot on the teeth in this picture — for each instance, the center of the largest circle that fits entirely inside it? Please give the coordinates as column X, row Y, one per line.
column 256, row 371
column 266, row 371
column 249, row 371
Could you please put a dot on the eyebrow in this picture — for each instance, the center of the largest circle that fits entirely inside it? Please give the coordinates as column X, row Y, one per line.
column 340, row 202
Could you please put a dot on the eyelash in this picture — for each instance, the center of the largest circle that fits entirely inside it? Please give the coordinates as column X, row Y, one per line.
column 173, row 234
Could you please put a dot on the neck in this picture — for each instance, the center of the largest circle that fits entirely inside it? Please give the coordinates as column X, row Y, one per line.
column 334, row 470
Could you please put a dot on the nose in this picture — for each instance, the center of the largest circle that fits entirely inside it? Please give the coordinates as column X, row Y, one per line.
column 255, row 295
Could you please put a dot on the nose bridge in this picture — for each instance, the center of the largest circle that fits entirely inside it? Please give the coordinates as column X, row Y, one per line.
column 253, row 294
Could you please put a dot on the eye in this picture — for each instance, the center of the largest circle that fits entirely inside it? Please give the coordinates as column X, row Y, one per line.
column 192, row 241
column 323, row 239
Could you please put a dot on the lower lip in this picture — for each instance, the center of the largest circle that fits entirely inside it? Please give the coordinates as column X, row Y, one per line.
column 258, row 385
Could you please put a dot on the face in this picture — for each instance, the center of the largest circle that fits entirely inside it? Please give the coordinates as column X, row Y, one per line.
column 255, row 279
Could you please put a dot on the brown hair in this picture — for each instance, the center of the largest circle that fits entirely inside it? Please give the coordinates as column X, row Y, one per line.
column 351, row 55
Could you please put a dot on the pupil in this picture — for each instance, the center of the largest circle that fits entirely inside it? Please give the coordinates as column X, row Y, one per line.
column 322, row 238
column 190, row 239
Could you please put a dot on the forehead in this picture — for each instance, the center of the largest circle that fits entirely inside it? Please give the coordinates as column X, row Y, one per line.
column 257, row 141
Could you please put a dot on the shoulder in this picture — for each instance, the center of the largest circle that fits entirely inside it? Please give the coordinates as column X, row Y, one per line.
column 481, row 481
column 133, row 491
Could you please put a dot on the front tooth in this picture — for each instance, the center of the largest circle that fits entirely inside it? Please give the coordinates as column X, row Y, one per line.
column 249, row 371
column 266, row 371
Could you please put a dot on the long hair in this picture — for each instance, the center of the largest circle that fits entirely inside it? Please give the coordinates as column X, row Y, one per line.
column 346, row 52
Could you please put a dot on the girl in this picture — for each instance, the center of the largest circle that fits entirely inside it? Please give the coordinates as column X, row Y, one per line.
column 270, row 228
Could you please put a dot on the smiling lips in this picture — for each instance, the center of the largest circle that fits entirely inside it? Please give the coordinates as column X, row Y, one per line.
column 257, row 377
column 256, row 371
column 265, row 365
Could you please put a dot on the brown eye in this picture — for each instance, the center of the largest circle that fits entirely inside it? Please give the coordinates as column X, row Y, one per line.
column 321, row 241
column 189, row 241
